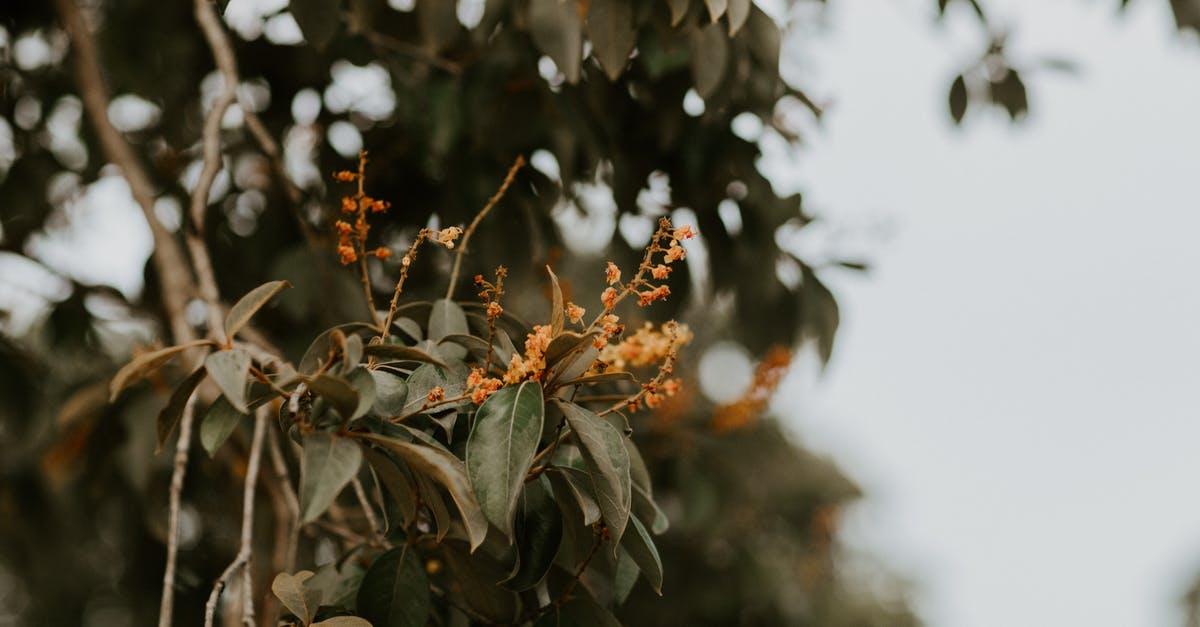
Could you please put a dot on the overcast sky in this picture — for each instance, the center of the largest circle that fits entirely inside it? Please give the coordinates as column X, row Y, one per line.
column 1016, row 381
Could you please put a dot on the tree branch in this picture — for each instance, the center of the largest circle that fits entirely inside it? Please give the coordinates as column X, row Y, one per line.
column 242, row 561
column 462, row 246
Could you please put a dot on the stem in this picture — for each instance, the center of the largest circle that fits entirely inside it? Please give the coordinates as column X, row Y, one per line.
column 462, row 247
column 369, row 511
column 243, row 559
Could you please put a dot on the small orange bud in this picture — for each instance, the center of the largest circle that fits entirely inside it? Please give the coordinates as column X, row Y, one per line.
column 344, row 175
column 612, row 273
column 382, row 253
column 609, row 298
column 348, row 205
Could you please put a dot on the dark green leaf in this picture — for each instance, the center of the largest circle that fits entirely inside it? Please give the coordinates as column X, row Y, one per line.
column 501, row 447
column 624, row 578
column 170, row 415
column 218, row 423
column 248, row 305
column 322, row 347
column 447, row 470
column 410, row 328
column 709, row 50
column 337, row 392
column 364, row 384
column 143, row 365
column 390, row 393
column 397, row 352
column 230, row 370
column 958, row 99
column 448, row 318
column 738, row 13
column 318, row 20
column 296, row 597
column 1009, row 92
column 352, row 352
column 479, row 576
column 432, row 499
column 327, row 464
column 610, row 28
column 579, row 484
column 645, row 507
column 538, row 532
column 396, row 480
column 452, row 380
column 395, row 590
column 607, row 461
column 557, row 31
column 641, row 548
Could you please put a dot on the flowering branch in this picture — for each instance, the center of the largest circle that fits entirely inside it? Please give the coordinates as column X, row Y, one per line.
column 508, row 179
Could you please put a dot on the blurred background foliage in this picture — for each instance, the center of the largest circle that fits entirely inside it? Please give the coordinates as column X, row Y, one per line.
column 443, row 96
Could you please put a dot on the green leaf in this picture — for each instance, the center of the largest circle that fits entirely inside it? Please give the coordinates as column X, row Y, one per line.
column 442, row 466
column 607, row 461
column 501, row 447
column 958, row 99
column 143, row 365
column 390, row 393
column 579, row 484
column 679, row 8
column 447, row 318
column 322, row 347
column 299, row 600
column 248, row 305
column 437, row 506
column 610, row 28
column 364, row 384
column 318, row 20
column 230, row 370
column 645, row 507
column 343, row 621
column 478, row 576
column 452, row 380
column 641, row 548
column 397, row 352
column 336, row 583
column 709, row 50
column 352, row 352
column 763, row 37
column 327, row 464
column 539, row 531
column 171, row 414
column 337, row 392
column 716, row 8
column 578, row 612
column 738, row 13
column 557, row 313
column 557, row 31
column 218, row 423
column 396, row 480
column 624, row 578
column 395, row 590
column 410, row 328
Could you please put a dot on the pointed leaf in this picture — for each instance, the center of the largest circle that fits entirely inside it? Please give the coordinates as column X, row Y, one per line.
column 716, row 8
column 447, row 318
column 390, row 393
column 364, row 385
column 398, row 352
column 479, row 576
column 578, row 612
column 143, row 365
column 327, row 464
column 299, row 600
column 557, row 316
column 624, row 578
column 442, row 466
column 539, row 531
column 578, row 484
column 170, row 415
column 432, row 499
column 641, row 548
column 410, row 328
column 395, row 590
column 501, row 447
column 607, row 462
column 610, row 28
column 557, row 31
column 709, row 52
column 230, row 370
column 645, row 507
column 738, row 13
column 958, row 99
column 396, row 480
column 352, row 352
column 679, row 8
column 218, row 423
column 248, row 305
column 763, row 38
column 337, row 392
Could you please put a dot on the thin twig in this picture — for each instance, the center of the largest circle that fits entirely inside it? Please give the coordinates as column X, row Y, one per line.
column 413, row 51
column 368, row 511
column 462, row 247
column 166, row 604
column 242, row 561
column 405, row 263
column 287, row 529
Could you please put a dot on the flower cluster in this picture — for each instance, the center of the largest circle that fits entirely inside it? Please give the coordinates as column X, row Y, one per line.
column 645, row 346
column 665, row 242
column 480, row 386
column 767, row 376
column 352, row 238
column 533, row 364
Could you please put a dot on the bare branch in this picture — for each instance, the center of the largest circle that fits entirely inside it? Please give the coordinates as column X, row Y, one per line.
column 462, row 247
column 242, row 561
column 167, row 603
column 369, row 511
column 287, row 529
column 168, row 258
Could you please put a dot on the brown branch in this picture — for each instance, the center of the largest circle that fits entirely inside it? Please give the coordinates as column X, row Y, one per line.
column 168, row 257
column 242, row 561
column 462, row 247
column 369, row 512
column 413, row 51
column 287, row 530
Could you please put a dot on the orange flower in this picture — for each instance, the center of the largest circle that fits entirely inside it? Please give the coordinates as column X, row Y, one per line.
column 379, row 206
column 382, row 253
column 675, row 252
column 612, row 273
column 660, row 271
column 683, row 232
column 344, row 175
column 435, row 395
column 347, row 254
column 575, row 312
column 446, row 236
column 494, row 309
column 348, row 205
column 649, row 296
column 343, row 227
column 609, row 298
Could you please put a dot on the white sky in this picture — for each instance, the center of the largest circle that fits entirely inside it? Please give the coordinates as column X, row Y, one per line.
column 1016, row 382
